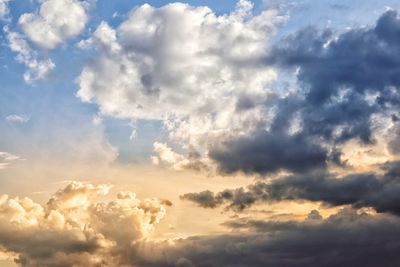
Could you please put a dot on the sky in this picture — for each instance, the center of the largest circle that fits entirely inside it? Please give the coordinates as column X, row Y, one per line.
column 199, row 133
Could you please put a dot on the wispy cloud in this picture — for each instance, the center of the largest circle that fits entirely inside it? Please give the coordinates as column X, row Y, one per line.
column 38, row 68
column 18, row 118
column 6, row 159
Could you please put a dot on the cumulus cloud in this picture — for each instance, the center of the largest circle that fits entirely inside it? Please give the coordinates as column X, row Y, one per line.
column 371, row 190
column 176, row 60
column 6, row 159
column 346, row 87
column 198, row 72
column 38, row 68
column 347, row 77
column 209, row 83
column 165, row 155
column 74, row 228
column 56, row 22
column 207, row 77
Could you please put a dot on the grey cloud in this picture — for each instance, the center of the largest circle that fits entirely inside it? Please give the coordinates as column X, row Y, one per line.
column 343, row 81
column 265, row 153
column 362, row 59
column 381, row 192
column 337, row 72
column 345, row 239
column 109, row 236
column 394, row 139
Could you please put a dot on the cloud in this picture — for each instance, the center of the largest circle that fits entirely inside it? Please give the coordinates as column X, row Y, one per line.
column 6, row 159
column 166, row 156
column 394, row 138
column 185, row 66
column 38, row 69
column 4, row 10
column 206, row 77
column 364, row 190
column 209, row 84
column 73, row 229
column 56, row 22
column 346, row 87
column 264, row 153
column 346, row 77
column 344, row 239
column 175, row 61
column 17, row 118
column 76, row 229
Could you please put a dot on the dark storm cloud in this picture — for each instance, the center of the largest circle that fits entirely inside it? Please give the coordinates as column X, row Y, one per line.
column 346, row 239
column 343, row 80
column 265, row 152
column 338, row 72
column 365, row 60
column 381, row 192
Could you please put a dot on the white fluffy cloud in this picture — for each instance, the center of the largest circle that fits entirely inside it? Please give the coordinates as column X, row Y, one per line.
column 57, row 21
column 166, row 156
column 38, row 69
column 4, row 8
column 177, row 60
column 198, row 72
column 74, row 229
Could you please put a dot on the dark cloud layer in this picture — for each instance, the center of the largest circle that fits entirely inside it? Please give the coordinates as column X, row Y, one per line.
column 265, row 153
column 338, row 72
column 381, row 192
column 343, row 79
column 346, row 239
column 364, row 60
column 111, row 235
